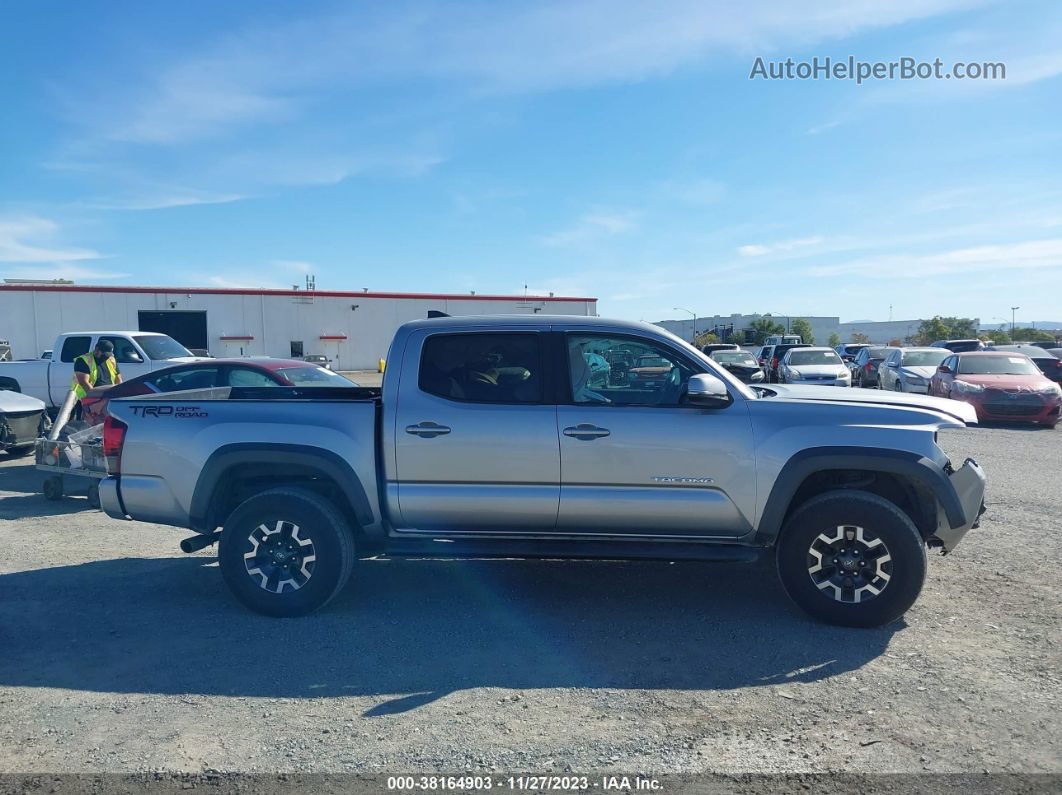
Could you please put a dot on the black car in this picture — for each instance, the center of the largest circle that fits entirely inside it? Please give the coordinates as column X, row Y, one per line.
column 960, row 346
column 779, row 351
column 1048, row 362
column 865, row 365
column 740, row 364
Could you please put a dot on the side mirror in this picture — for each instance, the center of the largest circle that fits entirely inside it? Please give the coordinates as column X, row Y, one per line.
column 707, row 391
column 943, row 369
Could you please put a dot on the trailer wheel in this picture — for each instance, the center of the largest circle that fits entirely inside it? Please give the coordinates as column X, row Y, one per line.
column 53, row 488
column 286, row 552
column 94, row 494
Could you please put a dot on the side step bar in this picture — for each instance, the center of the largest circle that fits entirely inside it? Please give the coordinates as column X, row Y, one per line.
column 547, row 548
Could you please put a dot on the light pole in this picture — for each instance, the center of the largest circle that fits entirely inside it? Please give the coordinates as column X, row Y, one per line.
column 1013, row 309
column 787, row 320
column 693, row 314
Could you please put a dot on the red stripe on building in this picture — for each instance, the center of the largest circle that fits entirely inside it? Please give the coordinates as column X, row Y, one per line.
column 78, row 288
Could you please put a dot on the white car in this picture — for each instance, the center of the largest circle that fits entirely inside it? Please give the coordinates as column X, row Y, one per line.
column 814, row 366
column 909, row 369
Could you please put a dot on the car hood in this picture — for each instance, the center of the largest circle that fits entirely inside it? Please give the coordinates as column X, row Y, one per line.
column 956, row 409
column 1016, row 383
column 16, row 401
column 831, row 370
column 920, row 370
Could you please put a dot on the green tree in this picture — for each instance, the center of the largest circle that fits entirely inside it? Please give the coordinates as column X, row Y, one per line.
column 932, row 330
column 802, row 327
column 1031, row 335
column 859, row 336
column 1000, row 337
column 705, row 338
column 835, row 339
column 763, row 328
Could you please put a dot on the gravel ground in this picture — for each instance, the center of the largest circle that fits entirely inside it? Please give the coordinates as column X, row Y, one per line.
column 121, row 654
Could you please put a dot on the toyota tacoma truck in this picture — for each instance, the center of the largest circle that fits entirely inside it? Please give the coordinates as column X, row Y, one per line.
column 49, row 379
column 487, row 438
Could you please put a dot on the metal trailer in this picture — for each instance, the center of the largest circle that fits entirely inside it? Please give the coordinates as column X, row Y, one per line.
column 78, row 458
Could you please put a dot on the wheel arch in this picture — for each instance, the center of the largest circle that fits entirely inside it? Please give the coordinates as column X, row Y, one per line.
column 236, row 472
column 10, row 384
column 911, row 481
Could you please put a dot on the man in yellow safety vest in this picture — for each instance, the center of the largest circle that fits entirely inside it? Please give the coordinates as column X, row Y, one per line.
column 95, row 368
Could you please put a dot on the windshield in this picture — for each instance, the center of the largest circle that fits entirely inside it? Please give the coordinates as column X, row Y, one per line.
column 735, row 357
column 313, row 376
column 925, row 358
column 162, row 347
column 798, row 358
column 997, row 365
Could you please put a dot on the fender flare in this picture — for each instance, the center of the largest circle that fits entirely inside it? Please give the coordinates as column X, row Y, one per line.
column 278, row 455
column 917, row 468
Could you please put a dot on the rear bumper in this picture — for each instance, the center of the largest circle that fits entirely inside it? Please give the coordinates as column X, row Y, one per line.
column 969, row 485
column 143, row 498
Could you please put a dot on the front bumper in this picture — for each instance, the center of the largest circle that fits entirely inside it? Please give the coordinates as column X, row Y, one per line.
column 1028, row 407
column 969, row 485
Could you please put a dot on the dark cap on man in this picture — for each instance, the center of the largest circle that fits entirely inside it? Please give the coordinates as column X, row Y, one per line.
column 105, row 346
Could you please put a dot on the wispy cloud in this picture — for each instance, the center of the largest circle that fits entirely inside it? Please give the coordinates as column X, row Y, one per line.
column 1001, row 258
column 594, row 226
column 781, row 247
column 166, row 201
column 33, row 239
column 62, row 270
column 270, row 73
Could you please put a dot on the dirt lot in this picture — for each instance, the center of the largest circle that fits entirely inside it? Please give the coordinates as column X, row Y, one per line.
column 118, row 653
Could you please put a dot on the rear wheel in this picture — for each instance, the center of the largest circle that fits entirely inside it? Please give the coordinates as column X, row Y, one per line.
column 286, row 552
column 851, row 558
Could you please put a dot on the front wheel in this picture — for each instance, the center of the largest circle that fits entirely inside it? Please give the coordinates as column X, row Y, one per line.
column 851, row 558
column 286, row 552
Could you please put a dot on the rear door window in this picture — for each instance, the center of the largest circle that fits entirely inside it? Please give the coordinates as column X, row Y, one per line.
column 246, row 376
column 483, row 368
column 74, row 347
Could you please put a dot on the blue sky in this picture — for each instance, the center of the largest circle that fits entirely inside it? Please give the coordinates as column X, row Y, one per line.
column 610, row 149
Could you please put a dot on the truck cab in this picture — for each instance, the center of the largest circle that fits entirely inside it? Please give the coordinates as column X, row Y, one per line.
column 48, row 379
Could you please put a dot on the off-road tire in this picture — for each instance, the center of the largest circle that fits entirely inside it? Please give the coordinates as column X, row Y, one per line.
column 317, row 521
column 881, row 519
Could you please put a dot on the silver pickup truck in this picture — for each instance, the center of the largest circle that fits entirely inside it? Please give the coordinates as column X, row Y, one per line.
column 494, row 436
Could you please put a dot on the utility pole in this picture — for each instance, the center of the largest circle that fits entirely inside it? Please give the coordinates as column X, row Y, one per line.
column 1013, row 309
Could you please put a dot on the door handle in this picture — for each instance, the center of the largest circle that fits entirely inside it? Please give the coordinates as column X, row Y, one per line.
column 586, row 432
column 427, row 430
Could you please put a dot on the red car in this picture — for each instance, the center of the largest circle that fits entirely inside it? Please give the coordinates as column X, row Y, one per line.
column 1000, row 386
column 212, row 373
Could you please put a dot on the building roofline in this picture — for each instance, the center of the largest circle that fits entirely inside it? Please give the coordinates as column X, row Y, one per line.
column 87, row 288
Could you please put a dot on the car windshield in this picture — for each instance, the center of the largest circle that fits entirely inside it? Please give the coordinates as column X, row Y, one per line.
column 925, row 358
column 997, row 365
column 799, row 358
column 162, row 347
column 735, row 357
column 313, row 376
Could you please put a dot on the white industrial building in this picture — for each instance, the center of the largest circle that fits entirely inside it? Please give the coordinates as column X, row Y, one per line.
column 353, row 329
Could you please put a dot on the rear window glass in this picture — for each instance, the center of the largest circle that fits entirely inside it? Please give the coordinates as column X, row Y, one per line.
column 74, row 347
column 483, row 368
column 734, row 357
column 313, row 376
